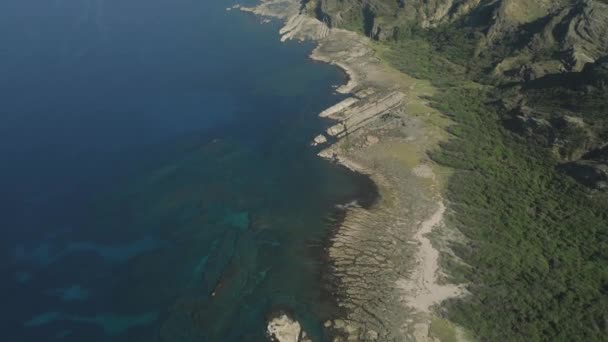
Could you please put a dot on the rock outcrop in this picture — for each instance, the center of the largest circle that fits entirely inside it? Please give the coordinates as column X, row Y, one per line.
column 352, row 117
column 283, row 328
column 590, row 169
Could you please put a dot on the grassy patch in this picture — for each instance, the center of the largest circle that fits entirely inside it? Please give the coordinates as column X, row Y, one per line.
column 407, row 154
column 445, row 331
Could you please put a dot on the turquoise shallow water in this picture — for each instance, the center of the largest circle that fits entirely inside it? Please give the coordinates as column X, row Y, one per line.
column 157, row 179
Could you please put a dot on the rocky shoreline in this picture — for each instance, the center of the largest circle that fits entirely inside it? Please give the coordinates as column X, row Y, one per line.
column 386, row 266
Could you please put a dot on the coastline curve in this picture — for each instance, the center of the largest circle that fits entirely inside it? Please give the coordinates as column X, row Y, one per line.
column 386, row 267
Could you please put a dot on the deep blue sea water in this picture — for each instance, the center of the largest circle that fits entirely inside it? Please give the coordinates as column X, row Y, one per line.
column 156, row 182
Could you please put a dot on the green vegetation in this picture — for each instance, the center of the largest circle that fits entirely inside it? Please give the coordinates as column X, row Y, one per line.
column 537, row 241
column 445, row 331
column 591, row 105
column 536, row 249
column 417, row 58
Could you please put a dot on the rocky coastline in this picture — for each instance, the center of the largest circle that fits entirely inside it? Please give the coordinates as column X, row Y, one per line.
column 382, row 258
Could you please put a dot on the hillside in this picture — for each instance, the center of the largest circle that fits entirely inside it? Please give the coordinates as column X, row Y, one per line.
column 541, row 46
column 526, row 84
column 514, row 39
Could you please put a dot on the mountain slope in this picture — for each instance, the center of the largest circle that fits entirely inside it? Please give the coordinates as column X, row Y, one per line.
column 544, row 36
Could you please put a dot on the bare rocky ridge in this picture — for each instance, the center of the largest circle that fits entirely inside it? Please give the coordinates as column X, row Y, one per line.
column 385, row 266
column 546, row 36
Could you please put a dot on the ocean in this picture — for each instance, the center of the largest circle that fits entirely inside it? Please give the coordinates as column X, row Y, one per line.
column 157, row 182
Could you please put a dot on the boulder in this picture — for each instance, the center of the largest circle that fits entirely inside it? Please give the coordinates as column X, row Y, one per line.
column 282, row 328
column 319, row 140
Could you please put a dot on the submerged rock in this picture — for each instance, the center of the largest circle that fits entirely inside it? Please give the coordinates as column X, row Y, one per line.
column 239, row 220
